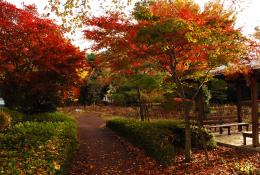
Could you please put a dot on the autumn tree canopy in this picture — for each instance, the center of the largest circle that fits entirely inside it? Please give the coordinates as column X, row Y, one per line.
column 176, row 37
column 72, row 13
column 189, row 43
column 37, row 64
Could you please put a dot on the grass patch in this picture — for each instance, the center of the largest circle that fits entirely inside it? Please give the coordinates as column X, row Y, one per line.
column 38, row 145
column 159, row 139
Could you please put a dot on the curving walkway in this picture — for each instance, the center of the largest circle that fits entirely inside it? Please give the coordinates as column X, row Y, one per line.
column 102, row 152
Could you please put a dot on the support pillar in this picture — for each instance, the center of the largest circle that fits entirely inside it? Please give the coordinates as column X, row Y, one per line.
column 254, row 112
column 239, row 106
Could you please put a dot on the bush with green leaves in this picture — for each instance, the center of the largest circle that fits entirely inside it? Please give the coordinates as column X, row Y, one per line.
column 34, row 147
column 159, row 139
column 245, row 168
column 177, row 127
column 48, row 117
column 157, row 143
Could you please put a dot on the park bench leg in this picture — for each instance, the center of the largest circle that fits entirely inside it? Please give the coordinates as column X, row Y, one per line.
column 229, row 130
column 240, row 128
column 247, row 127
column 244, row 137
column 220, row 130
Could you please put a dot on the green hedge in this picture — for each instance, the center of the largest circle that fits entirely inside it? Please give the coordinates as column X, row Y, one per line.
column 48, row 117
column 156, row 142
column 160, row 139
column 33, row 147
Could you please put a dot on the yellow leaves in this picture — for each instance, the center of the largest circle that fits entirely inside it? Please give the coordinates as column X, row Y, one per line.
column 165, row 48
column 83, row 74
column 22, row 173
column 190, row 27
column 56, row 165
column 217, row 51
column 189, row 36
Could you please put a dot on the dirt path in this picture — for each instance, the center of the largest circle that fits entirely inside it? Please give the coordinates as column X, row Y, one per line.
column 102, row 152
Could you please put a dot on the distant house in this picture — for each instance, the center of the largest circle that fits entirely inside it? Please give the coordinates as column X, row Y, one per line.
column 2, row 102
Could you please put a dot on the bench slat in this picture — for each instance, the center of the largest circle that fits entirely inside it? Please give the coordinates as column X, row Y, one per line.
column 227, row 124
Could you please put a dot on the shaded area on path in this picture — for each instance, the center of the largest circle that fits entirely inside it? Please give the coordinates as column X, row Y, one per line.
column 102, row 152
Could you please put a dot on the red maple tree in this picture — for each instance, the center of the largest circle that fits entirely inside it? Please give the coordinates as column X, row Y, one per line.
column 37, row 64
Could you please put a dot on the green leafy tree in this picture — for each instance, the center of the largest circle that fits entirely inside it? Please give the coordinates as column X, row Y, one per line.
column 140, row 88
column 218, row 90
column 93, row 90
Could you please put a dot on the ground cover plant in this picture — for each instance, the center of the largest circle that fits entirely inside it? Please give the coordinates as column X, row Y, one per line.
column 39, row 144
column 159, row 139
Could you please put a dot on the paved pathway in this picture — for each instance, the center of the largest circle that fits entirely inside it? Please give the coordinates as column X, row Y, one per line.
column 102, row 152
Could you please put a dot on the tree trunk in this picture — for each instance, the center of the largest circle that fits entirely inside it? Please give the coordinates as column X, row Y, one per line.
column 200, row 100
column 181, row 93
column 147, row 105
column 141, row 107
column 187, row 134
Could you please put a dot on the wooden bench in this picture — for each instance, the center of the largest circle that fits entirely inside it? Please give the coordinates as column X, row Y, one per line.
column 221, row 121
column 227, row 126
column 248, row 134
column 217, row 120
column 245, row 135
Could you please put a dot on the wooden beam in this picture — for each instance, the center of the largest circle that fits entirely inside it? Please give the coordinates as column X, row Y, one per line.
column 254, row 111
column 239, row 106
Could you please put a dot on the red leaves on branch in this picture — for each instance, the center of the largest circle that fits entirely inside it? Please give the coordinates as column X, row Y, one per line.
column 115, row 34
column 34, row 54
column 201, row 40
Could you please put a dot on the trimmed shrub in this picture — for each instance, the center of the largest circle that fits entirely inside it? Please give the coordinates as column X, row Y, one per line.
column 178, row 129
column 38, row 147
column 5, row 121
column 48, row 117
column 157, row 143
column 197, row 134
column 161, row 139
